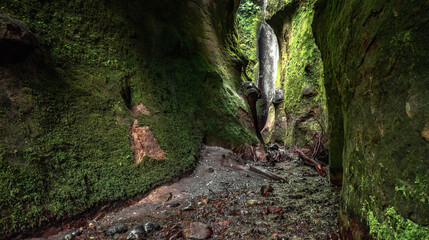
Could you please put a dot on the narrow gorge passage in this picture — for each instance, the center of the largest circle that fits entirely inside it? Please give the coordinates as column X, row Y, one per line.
column 208, row 119
column 222, row 198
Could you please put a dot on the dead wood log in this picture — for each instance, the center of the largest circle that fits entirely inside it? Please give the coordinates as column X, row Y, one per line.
column 311, row 162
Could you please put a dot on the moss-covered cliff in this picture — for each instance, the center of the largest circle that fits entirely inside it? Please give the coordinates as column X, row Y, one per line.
column 376, row 60
column 300, row 72
column 65, row 110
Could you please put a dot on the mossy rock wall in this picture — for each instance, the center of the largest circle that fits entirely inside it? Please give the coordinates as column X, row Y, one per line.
column 376, row 58
column 300, row 69
column 65, row 118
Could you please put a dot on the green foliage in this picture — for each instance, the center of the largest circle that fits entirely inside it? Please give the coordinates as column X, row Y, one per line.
column 249, row 15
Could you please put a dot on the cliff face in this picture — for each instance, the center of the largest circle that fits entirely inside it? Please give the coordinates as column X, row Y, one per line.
column 300, row 72
column 375, row 56
column 163, row 75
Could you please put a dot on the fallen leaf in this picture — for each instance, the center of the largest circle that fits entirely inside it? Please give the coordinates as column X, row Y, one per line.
column 266, row 189
column 272, row 209
column 217, row 203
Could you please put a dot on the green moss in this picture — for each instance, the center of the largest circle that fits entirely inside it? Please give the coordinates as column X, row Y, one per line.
column 394, row 226
column 303, row 63
column 376, row 84
column 300, row 66
column 71, row 151
column 274, row 6
column 249, row 16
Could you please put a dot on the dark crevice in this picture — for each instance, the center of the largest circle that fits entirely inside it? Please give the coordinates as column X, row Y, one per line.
column 13, row 51
column 126, row 93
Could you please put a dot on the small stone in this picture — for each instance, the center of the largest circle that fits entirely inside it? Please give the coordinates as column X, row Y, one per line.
column 136, row 232
column 197, row 230
column 150, row 227
column 279, row 96
column 260, row 153
column 250, row 89
column 174, row 205
column 68, row 237
column 273, row 147
column 308, row 91
column 210, row 170
column 91, row 225
column 187, row 206
column 165, row 197
column 76, row 233
column 117, row 227
column 252, row 202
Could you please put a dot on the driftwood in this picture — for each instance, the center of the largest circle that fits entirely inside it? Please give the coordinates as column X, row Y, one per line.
column 311, row 162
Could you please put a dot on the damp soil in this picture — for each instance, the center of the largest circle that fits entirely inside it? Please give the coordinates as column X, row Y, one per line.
column 234, row 203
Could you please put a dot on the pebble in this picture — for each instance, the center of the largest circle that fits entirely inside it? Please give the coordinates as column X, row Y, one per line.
column 68, row 237
column 273, row 147
column 174, row 205
column 150, row 227
column 197, row 230
column 187, row 206
column 117, row 227
column 252, row 202
column 91, row 225
column 136, row 232
column 165, row 197
column 76, row 233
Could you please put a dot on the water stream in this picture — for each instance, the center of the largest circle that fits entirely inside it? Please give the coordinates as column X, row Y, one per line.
column 268, row 51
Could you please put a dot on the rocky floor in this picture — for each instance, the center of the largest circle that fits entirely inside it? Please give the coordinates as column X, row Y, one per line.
column 220, row 200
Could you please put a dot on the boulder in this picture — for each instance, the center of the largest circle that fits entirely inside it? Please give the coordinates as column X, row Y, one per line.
column 16, row 40
column 279, row 97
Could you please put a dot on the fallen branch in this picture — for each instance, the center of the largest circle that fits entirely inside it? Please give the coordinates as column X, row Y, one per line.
column 311, row 162
column 264, row 173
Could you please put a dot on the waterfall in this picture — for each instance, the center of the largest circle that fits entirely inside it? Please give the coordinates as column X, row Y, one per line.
column 268, row 51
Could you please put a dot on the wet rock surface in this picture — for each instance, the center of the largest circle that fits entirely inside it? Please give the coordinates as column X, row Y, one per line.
column 229, row 203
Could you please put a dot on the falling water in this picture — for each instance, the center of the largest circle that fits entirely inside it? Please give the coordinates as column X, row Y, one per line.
column 268, row 60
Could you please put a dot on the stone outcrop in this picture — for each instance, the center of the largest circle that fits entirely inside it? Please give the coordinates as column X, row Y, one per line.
column 16, row 40
column 65, row 120
column 375, row 56
column 300, row 116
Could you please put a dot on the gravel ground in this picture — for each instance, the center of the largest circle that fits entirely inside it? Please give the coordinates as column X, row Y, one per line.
column 231, row 203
